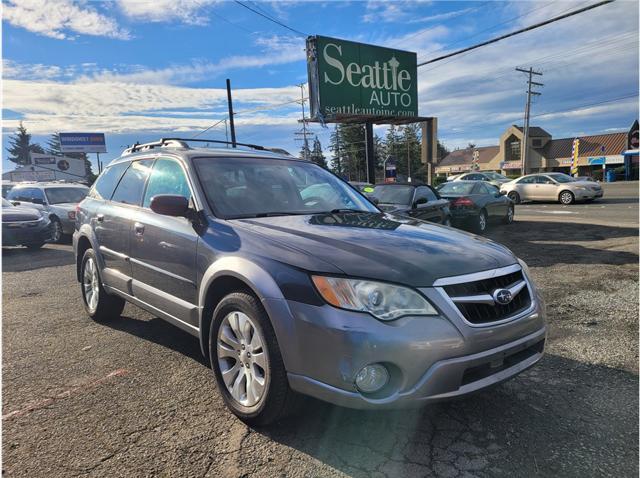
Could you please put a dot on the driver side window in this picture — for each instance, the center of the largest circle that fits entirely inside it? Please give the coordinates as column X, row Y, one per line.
column 543, row 180
column 167, row 177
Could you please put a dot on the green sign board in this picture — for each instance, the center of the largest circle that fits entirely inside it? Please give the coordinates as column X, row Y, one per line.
column 348, row 79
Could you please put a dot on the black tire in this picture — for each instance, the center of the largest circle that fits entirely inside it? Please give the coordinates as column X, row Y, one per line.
column 35, row 245
column 108, row 306
column 508, row 219
column 277, row 399
column 514, row 196
column 566, row 198
column 481, row 222
column 56, row 231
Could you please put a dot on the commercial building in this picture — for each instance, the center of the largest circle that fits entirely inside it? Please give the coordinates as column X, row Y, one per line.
column 596, row 154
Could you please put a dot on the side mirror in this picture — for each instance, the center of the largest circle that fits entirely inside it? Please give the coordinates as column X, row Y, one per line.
column 170, row 205
column 419, row 202
column 15, row 203
column 375, row 201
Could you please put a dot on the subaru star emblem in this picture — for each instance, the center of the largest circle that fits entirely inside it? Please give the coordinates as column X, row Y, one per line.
column 502, row 296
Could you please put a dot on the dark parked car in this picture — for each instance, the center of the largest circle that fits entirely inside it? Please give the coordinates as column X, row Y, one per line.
column 476, row 203
column 24, row 226
column 321, row 294
column 414, row 200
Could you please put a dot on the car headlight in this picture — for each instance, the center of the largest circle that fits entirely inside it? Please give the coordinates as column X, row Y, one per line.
column 383, row 301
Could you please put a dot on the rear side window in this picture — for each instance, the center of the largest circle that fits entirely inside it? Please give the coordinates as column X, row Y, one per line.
column 130, row 187
column 106, row 183
column 167, row 177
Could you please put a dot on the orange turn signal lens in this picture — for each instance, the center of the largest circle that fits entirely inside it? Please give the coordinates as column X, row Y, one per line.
column 326, row 290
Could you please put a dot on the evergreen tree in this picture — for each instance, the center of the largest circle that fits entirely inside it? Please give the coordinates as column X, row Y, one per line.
column 316, row 154
column 335, row 148
column 20, row 147
column 305, row 152
column 54, row 147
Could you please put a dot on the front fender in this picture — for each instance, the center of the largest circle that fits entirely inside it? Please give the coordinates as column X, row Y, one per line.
column 254, row 277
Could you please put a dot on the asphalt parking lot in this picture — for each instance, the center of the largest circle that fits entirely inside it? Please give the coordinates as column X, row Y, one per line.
column 133, row 397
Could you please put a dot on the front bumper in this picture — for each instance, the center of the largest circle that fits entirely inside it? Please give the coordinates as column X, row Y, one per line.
column 581, row 195
column 429, row 358
column 19, row 236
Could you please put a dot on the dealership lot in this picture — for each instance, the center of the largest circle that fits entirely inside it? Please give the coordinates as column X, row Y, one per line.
column 134, row 397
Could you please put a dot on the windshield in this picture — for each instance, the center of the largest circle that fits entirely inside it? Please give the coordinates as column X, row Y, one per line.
column 456, row 188
column 496, row 176
column 250, row 187
column 63, row 195
column 390, row 194
column 561, row 178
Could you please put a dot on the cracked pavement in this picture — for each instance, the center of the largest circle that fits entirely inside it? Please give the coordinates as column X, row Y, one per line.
column 133, row 397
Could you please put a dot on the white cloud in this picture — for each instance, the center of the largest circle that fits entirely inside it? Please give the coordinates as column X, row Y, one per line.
column 443, row 16
column 124, row 107
column 61, row 19
column 276, row 50
column 387, row 11
column 186, row 11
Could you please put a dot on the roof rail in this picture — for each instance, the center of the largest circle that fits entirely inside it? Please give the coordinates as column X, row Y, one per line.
column 182, row 143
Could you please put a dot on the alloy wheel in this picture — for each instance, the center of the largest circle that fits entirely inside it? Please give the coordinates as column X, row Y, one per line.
column 90, row 284
column 482, row 221
column 566, row 197
column 242, row 358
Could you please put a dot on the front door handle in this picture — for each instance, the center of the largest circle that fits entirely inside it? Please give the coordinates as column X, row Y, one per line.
column 99, row 217
column 138, row 228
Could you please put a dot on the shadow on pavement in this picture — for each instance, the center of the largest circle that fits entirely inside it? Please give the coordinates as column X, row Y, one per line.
column 162, row 333
column 18, row 259
column 558, row 418
column 562, row 417
column 542, row 243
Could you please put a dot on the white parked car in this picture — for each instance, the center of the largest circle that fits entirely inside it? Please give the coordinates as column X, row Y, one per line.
column 551, row 187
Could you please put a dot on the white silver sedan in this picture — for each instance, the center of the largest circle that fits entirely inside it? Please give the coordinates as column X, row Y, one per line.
column 551, row 187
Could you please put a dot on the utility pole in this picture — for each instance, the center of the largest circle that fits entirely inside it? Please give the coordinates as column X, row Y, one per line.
column 304, row 131
column 524, row 153
column 408, row 157
column 231, row 124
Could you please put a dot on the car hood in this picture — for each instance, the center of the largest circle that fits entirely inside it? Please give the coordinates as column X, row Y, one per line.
column 382, row 246
column 65, row 206
column 387, row 207
column 13, row 214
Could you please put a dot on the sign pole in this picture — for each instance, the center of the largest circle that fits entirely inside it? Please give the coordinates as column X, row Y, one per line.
column 99, row 165
column 370, row 153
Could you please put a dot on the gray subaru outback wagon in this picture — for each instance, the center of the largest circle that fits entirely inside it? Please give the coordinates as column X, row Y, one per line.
column 296, row 283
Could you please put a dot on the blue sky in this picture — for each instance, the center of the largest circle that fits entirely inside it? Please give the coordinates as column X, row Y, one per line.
column 138, row 70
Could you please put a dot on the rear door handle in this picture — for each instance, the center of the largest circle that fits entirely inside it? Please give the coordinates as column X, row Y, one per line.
column 138, row 228
column 99, row 217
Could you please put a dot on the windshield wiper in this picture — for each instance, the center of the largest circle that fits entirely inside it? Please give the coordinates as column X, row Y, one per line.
column 268, row 214
column 345, row 209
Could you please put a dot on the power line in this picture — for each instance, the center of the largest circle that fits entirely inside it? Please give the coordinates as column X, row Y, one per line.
column 271, row 19
column 578, row 108
column 207, row 129
column 493, row 27
column 517, row 32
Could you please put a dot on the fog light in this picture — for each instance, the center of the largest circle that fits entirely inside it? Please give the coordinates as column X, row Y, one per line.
column 372, row 378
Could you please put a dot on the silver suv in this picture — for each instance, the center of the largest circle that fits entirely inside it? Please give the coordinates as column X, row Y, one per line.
column 295, row 282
